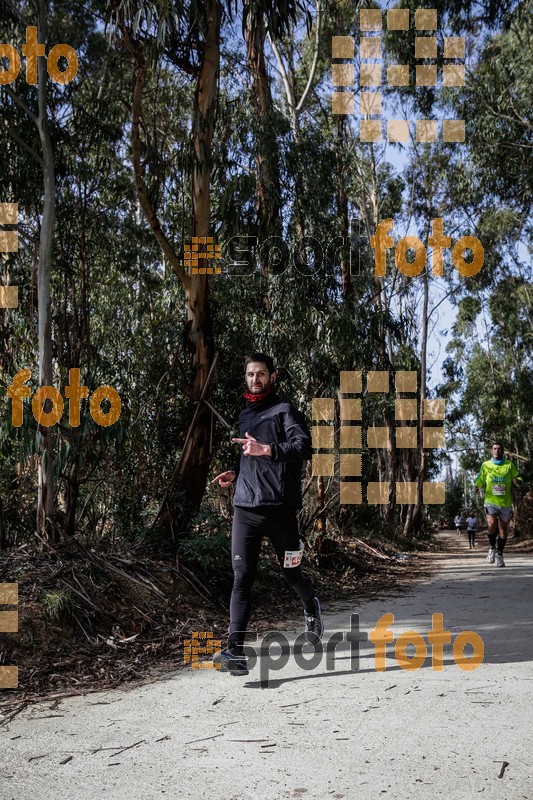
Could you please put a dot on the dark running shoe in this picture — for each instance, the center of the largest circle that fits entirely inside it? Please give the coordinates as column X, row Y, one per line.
column 226, row 661
column 314, row 627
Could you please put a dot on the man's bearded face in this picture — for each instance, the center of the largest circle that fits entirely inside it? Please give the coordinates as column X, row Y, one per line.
column 258, row 377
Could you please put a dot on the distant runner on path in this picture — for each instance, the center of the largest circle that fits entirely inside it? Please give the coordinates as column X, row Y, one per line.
column 275, row 442
column 498, row 476
column 459, row 525
column 471, row 527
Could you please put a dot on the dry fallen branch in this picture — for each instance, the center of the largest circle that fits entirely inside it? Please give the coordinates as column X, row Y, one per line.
column 505, row 764
column 123, row 750
column 193, row 741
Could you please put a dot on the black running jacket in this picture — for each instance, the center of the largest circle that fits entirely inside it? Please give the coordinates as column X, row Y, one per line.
column 272, row 480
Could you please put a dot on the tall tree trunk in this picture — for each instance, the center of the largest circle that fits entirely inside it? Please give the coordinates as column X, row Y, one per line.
column 414, row 516
column 78, row 352
column 268, row 191
column 342, row 206
column 385, row 359
column 417, row 515
column 193, row 469
column 46, row 487
column 188, row 482
column 268, row 188
column 295, row 107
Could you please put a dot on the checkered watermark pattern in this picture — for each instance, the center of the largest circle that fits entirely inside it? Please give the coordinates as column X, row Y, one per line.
column 351, row 435
column 201, row 643
column 197, row 255
column 9, row 623
column 371, row 75
column 9, row 243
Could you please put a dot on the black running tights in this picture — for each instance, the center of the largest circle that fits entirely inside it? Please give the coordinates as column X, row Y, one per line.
column 280, row 525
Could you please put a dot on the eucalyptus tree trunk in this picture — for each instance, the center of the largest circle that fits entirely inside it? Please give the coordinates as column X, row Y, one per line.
column 413, row 520
column 193, row 467
column 268, row 191
column 47, row 478
column 294, row 109
column 342, row 206
column 414, row 515
column 387, row 459
column 189, row 479
column 267, row 181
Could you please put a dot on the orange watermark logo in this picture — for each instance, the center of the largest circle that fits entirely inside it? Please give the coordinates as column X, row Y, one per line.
column 350, row 432
column 9, row 623
column 197, row 255
column 32, row 50
column 201, row 643
column 75, row 392
column 9, row 243
column 380, row 636
column 438, row 242
column 427, row 73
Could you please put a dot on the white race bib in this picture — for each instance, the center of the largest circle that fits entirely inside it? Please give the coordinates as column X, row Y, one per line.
column 293, row 557
column 498, row 489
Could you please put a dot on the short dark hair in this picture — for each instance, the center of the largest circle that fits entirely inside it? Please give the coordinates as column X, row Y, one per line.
column 497, row 441
column 268, row 361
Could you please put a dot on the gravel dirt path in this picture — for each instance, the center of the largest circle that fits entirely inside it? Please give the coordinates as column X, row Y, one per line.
column 345, row 732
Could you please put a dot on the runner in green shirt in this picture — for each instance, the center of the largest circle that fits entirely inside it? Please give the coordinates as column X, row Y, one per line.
column 498, row 476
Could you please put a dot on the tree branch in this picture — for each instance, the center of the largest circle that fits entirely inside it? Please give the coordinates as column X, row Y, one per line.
column 22, row 104
column 318, row 23
column 22, row 143
column 140, row 77
column 283, row 72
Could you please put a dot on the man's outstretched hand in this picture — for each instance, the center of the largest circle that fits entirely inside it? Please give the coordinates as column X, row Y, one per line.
column 251, row 447
column 225, row 479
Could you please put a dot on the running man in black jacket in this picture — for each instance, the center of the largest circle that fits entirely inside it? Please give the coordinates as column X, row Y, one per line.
column 275, row 442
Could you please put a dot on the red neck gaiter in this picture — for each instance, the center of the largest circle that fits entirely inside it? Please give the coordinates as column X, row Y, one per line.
column 250, row 397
